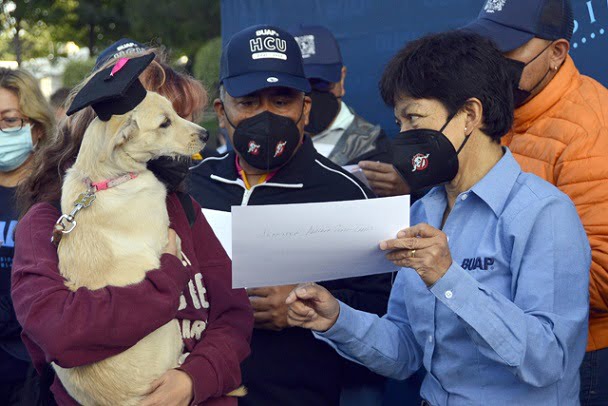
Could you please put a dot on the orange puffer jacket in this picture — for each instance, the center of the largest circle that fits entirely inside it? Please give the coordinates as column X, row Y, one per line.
column 561, row 135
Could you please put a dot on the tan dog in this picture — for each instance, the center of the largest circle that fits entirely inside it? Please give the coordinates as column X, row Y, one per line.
column 121, row 236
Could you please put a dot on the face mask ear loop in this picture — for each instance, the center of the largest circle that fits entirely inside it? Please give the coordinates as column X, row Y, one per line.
column 539, row 82
column 301, row 112
column 226, row 114
column 539, row 54
column 532, row 60
column 450, row 117
column 466, row 138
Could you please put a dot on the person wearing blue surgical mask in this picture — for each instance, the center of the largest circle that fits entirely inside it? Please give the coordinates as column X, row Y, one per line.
column 26, row 121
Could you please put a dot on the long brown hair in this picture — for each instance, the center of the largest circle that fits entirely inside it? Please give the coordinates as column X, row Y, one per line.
column 187, row 95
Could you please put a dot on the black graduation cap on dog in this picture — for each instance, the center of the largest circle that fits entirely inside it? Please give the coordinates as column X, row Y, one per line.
column 115, row 90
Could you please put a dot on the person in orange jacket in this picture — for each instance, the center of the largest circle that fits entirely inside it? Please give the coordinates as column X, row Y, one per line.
column 560, row 133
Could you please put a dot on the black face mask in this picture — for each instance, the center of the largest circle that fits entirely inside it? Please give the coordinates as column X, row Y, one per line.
column 325, row 108
column 170, row 171
column 516, row 68
column 425, row 157
column 266, row 141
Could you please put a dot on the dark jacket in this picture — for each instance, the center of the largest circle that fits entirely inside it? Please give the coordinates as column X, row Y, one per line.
column 361, row 141
column 291, row 367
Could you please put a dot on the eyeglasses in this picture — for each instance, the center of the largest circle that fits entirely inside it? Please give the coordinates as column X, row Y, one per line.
column 11, row 124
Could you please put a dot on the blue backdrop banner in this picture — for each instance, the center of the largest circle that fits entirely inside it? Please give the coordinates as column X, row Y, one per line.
column 371, row 31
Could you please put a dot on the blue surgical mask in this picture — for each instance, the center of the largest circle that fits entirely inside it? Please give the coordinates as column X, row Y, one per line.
column 15, row 147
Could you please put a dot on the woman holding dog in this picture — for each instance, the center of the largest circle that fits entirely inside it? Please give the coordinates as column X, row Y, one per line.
column 75, row 328
column 26, row 121
column 492, row 299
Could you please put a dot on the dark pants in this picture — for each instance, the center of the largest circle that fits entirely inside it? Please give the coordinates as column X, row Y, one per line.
column 404, row 393
column 594, row 378
column 10, row 393
column 34, row 391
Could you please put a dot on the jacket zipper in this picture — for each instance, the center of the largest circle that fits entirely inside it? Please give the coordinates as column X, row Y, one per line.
column 247, row 193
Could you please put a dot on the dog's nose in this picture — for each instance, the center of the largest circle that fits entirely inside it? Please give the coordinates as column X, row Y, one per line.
column 203, row 135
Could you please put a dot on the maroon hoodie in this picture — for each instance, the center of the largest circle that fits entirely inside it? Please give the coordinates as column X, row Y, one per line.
column 78, row 328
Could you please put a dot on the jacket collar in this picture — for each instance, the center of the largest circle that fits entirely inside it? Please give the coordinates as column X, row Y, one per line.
column 547, row 98
column 294, row 174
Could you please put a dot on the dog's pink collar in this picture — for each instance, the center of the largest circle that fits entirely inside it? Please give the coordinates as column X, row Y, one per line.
column 108, row 183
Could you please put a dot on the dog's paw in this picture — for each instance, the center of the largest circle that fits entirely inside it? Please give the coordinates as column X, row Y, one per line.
column 71, row 285
column 239, row 392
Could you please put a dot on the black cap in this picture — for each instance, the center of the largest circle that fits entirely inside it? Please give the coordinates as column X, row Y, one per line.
column 115, row 90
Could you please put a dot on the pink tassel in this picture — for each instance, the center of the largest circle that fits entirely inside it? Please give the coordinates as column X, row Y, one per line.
column 119, row 65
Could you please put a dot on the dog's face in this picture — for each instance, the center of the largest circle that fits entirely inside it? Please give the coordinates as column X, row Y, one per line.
column 151, row 130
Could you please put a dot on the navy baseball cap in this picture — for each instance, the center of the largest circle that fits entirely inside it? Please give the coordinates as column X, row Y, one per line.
column 260, row 57
column 121, row 48
column 320, row 52
column 512, row 23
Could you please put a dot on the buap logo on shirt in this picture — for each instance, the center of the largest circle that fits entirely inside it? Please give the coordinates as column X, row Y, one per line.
column 483, row 263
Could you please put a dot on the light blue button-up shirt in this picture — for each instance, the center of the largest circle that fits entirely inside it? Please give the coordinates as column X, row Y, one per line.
column 507, row 323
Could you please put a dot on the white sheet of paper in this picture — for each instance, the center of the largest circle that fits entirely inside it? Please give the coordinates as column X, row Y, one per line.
column 221, row 223
column 311, row 242
column 358, row 173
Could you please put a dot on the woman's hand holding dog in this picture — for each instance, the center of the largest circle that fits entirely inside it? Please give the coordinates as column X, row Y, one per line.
column 312, row 306
column 171, row 247
column 173, row 388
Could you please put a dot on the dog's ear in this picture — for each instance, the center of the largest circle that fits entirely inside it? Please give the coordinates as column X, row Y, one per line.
column 125, row 131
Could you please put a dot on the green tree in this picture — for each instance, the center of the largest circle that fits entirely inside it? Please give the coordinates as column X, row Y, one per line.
column 100, row 23
column 180, row 25
column 35, row 28
column 76, row 71
column 30, row 27
column 206, row 66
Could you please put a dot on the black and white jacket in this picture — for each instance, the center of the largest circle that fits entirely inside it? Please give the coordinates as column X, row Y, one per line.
column 291, row 367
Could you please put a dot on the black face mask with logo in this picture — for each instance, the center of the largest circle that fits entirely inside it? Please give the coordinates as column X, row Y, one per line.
column 426, row 158
column 516, row 70
column 266, row 141
column 324, row 109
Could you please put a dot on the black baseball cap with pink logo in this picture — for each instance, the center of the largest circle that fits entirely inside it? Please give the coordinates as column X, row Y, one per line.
column 260, row 57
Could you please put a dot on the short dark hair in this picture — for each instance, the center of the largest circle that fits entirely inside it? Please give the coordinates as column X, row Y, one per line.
column 452, row 67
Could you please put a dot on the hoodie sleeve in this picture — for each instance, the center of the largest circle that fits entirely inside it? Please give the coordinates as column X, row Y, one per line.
column 214, row 364
column 79, row 327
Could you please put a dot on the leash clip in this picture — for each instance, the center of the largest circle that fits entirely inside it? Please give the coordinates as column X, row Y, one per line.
column 67, row 222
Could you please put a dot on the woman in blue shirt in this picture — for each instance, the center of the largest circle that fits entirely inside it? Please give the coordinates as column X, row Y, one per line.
column 493, row 297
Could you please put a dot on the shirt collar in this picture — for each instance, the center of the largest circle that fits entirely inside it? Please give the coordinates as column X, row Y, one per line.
column 495, row 187
column 342, row 121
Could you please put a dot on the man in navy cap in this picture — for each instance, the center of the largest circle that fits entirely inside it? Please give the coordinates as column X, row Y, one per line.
column 560, row 133
column 264, row 108
column 338, row 133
